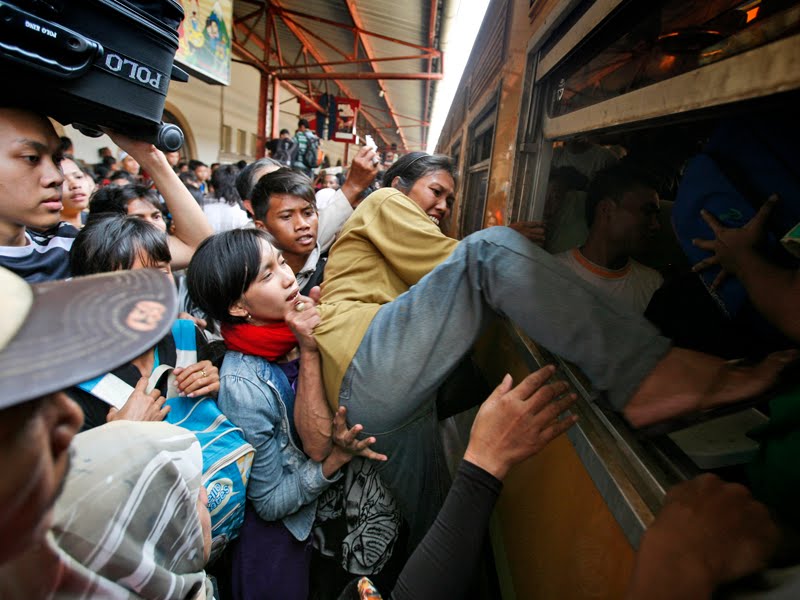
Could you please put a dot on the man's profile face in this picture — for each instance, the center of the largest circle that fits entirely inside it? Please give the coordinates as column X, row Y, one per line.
column 34, row 453
column 30, row 175
column 636, row 219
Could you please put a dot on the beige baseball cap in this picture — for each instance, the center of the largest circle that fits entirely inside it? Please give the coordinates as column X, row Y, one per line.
column 56, row 334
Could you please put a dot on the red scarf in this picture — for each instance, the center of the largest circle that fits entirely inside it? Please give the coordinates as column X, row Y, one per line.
column 268, row 341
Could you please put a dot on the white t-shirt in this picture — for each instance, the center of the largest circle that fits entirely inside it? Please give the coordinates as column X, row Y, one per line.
column 634, row 284
column 223, row 217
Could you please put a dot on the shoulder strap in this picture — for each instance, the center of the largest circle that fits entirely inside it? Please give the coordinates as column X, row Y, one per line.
column 112, row 390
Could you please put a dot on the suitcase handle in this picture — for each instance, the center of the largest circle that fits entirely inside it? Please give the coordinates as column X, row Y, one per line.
column 44, row 45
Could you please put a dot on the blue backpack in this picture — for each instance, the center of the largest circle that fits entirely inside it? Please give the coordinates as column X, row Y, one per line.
column 227, row 456
column 745, row 161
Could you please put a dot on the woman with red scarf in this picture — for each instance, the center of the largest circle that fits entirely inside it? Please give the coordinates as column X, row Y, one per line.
column 271, row 387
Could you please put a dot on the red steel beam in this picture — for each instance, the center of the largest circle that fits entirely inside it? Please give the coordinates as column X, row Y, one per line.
column 258, row 64
column 276, row 106
column 358, row 29
column 300, row 76
column 288, row 20
column 351, row 8
column 263, row 87
column 399, row 115
column 359, row 60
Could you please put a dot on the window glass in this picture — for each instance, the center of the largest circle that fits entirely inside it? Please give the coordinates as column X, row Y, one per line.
column 672, row 38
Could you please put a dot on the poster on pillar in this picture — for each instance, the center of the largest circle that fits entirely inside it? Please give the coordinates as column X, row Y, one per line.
column 346, row 114
column 337, row 123
column 204, row 49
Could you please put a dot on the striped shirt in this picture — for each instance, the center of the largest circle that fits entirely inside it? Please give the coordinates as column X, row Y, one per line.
column 44, row 258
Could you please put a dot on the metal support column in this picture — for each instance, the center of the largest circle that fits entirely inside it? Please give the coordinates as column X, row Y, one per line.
column 263, row 90
column 276, row 106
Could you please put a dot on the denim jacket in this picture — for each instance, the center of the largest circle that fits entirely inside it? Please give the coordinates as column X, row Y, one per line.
column 284, row 483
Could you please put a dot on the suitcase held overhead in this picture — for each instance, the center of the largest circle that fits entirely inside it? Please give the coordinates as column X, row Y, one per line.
column 95, row 63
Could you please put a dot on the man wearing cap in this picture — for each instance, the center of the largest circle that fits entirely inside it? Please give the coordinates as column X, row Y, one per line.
column 33, row 243
column 50, row 339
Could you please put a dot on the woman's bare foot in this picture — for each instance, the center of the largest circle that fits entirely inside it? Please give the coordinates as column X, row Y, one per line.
column 685, row 381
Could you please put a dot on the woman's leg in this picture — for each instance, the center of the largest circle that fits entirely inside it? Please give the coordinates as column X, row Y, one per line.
column 416, row 341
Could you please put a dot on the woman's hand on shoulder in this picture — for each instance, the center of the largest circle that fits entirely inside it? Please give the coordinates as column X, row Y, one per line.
column 303, row 317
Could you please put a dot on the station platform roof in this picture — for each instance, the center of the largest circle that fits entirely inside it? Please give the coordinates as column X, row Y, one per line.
column 384, row 53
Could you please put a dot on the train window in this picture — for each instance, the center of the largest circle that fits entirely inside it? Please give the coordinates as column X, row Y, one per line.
column 455, row 154
column 671, row 39
column 477, row 177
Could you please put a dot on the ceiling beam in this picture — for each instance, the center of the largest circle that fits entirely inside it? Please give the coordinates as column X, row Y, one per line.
column 298, row 33
column 255, row 62
column 359, row 29
column 431, row 38
column 368, row 51
column 302, row 76
column 357, row 61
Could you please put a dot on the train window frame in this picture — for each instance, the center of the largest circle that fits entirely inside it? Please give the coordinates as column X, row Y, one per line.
column 472, row 208
column 767, row 78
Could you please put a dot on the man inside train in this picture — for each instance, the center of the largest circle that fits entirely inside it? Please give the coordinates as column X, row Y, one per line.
column 622, row 209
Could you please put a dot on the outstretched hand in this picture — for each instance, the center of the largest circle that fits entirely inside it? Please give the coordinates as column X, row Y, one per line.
column 347, row 438
column 143, row 152
column 535, row 231
column 730, row 245
column 708, row 532
column 517, row 422
column 362, row 173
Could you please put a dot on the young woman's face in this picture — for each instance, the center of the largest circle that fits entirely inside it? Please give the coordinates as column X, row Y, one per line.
column 435, row 194
column 145, row 210
column 273, row 292
column 76, row 189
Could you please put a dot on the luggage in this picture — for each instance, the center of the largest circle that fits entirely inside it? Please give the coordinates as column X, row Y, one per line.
column 227, row 456
column 94, row 63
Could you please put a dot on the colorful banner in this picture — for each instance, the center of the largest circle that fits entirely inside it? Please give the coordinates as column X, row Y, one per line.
column 205, row 40
column 343, row 129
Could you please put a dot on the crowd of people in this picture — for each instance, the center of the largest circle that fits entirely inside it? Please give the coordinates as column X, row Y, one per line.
column 323, row 336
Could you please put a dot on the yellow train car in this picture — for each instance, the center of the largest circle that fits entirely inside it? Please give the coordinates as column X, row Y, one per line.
column 559, row 88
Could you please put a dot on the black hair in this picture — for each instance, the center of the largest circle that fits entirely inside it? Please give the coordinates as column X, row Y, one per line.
column 112, row 242
column 65, row 143
column 303, row 123
column 115, row 198
column 241, row 164
column 614, row 182
column 223, row 180
column 286, row 131
column 122, row 175
column 223, row 267
column 83, row 169
column 110, row 160
column 246, row 181
column 282, row 181
column 412, row 166
column 188, row 177
column 193, row 164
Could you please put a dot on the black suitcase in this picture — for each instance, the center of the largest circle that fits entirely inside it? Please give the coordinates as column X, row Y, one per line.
column 94, row 63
